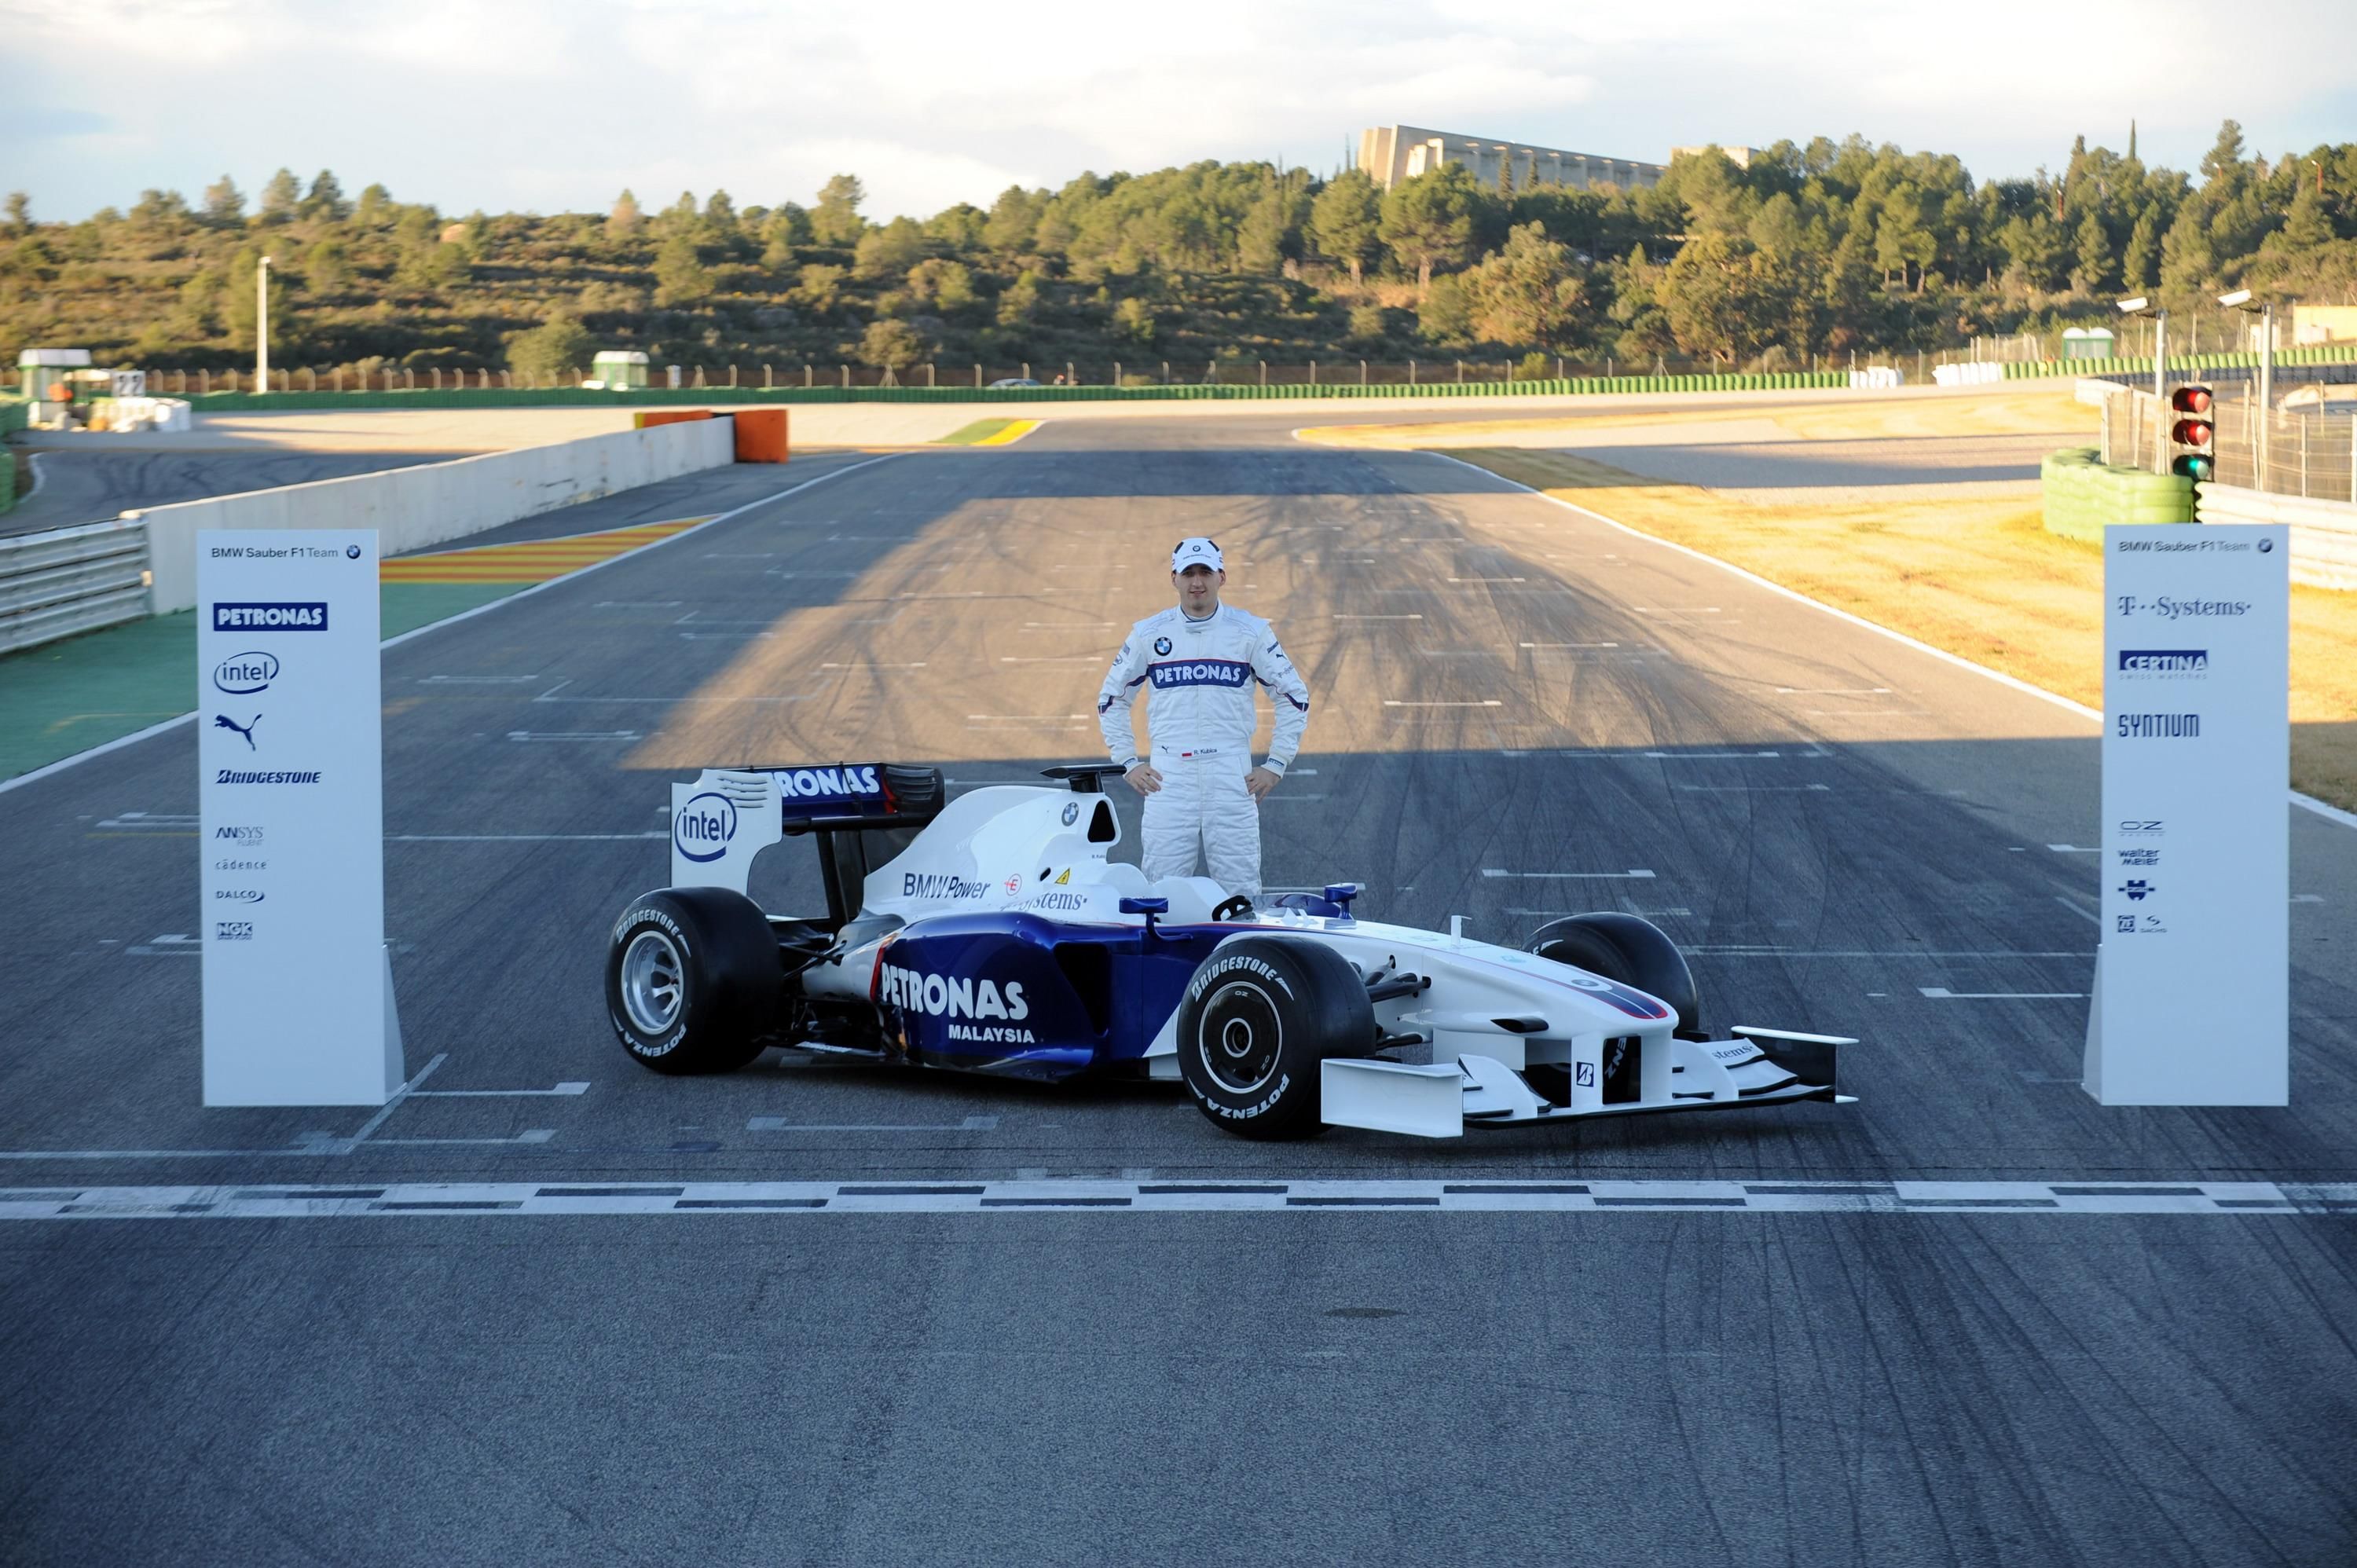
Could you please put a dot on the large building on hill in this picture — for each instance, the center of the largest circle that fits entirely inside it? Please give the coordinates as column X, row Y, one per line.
column 1393, row 152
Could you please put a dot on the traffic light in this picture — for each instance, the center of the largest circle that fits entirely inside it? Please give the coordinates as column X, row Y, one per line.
column 2193, row 430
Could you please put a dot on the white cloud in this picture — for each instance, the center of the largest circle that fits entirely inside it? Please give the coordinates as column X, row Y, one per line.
column 551, row 104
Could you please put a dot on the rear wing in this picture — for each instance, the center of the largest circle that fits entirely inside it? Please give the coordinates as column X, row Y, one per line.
column 729, row 815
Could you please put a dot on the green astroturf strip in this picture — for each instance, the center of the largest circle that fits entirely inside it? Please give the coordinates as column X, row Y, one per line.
column 65, row 697
column 967, row 435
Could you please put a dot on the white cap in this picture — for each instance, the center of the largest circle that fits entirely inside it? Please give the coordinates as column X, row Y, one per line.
column 1197, row 552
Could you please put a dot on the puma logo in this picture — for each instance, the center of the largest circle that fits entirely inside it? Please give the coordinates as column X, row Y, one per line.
column 223, row 721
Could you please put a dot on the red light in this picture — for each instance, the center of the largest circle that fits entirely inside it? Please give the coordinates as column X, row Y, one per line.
column 2192, row 432
column 2190, row 400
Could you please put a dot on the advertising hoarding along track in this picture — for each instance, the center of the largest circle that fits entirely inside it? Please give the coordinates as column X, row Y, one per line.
column 290, row 791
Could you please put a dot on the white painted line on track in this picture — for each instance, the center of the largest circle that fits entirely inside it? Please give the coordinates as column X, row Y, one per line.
column 1241, row 1194
column 558, row 1089
column 2306, row 803
column 2072, row 849
column 1378, row 617
column 780, row 1124
column 1570, row 875
column 524, row 593
column 2079, row 909
column 519, row 838
column 479, row 680
column 1941, row 994
column 1749, row 789
column 1489, row 703
column 528, row 734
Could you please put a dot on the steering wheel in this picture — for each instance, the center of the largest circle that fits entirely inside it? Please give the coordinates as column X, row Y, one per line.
column 1233, row 908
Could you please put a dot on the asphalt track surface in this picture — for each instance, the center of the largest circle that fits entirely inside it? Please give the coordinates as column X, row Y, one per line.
column 1836, row 824
column 93, row 485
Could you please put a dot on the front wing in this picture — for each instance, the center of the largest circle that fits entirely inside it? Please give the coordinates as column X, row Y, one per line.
column 1758, row 1067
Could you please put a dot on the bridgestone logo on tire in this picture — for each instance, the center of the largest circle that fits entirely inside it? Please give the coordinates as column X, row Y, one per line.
column 647, row 917
column 1229, row 965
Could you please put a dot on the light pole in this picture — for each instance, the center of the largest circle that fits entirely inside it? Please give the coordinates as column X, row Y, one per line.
column 2140, row 306
column 2241, row 300
column 262, row 326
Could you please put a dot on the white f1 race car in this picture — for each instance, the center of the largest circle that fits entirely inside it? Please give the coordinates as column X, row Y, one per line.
column 993, row 934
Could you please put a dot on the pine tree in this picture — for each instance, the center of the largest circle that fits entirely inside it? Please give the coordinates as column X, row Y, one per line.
column 224, row 203
column 281, row 196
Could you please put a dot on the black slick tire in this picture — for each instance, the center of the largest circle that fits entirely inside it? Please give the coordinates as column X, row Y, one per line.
column 1257, row 1018
column 692, row 982
column 1631, row 950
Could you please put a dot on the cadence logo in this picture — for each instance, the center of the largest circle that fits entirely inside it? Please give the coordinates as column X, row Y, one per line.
column 701, row 828
column 2160, row 726
column 308, row 616
column 2164, row 661
column 243, row 674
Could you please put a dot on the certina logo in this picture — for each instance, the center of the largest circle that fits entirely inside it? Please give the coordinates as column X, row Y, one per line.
column 243, row 674
column 305, row 616
column 238, row 895
column 701, row 829
column 2159, row 726
column 239, row 776
column 1229, row 672
column 2164, row 661
column 2183, row 609
column 939, row 885
column 942, row 996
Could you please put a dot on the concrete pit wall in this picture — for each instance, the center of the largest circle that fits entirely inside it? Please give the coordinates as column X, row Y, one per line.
column 414, row 508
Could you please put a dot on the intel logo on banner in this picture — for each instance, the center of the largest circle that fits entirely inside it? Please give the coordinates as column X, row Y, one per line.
column 242, row 674
column 701, row 828
column 307, row 617
column 2164, row 661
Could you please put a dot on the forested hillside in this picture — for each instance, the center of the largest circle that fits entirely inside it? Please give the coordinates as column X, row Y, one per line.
column 1823, row 249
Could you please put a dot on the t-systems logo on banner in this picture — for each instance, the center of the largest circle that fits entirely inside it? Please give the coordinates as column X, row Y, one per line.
column 311, row 615
column 2164, row 663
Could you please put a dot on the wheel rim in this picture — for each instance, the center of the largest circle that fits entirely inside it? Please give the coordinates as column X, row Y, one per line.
column 653, row 981
column 1240, row 1041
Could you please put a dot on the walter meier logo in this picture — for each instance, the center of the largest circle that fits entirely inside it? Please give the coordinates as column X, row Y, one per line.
column 303, row 616
column 701, row 828
column 2167, row 662
column 243, row 674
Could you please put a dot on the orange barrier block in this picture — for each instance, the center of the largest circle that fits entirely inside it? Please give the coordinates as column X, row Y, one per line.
column 760, row 435
column 645, row 417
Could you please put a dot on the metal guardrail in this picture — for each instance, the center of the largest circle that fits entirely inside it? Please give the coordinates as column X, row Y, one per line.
column 70, row 580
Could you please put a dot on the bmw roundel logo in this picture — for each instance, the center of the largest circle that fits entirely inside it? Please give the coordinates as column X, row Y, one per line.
column 2266, row 546
column 1071, row 812
column 1590, row 982
column 352, row 552
column 1161, row 645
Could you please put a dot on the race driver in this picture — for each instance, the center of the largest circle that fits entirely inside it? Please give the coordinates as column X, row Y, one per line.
column 1202, row 658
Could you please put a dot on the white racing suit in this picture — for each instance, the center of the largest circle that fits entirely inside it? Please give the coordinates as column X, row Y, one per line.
column 1201, row 721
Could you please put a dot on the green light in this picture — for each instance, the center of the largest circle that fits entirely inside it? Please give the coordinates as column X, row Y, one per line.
column 2194, row 465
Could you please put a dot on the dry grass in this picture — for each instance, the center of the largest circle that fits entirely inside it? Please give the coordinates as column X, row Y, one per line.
column 1978, row 577
column 2042, row 408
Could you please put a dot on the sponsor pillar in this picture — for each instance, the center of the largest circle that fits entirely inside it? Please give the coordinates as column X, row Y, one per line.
column 2192, row 1002
column 297, row 986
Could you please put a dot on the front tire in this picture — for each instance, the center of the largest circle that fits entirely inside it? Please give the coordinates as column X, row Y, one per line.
column 692, row 980
column 1631, row 950
column 1258, row 1017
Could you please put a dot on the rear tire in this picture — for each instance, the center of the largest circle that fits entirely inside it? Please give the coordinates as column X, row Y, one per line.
column 693, row 980
column 1628, row 948
column 1257, row 1018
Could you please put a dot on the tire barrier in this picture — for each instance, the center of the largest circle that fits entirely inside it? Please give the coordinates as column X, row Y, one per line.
column 2082, row 495
column 1981, row 373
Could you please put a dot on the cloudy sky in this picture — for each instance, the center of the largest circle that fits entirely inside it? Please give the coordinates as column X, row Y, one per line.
column 548, row 105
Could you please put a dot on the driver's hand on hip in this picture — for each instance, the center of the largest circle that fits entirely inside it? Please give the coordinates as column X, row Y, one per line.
column 1260, row 781
column 1144, row 778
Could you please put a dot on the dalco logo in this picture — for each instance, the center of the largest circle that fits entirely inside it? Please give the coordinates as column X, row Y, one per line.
column 292, row 617
column 243, row 674
column 701, row 829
